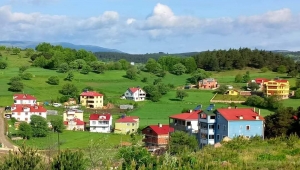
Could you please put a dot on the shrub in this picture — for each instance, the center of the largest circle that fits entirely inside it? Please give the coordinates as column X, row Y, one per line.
column 26, row 76
column 54, row 80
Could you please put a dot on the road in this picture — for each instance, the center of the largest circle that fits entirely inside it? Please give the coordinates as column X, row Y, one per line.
column 3, row 138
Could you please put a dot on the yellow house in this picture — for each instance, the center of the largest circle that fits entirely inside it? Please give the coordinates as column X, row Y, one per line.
column 91, row 99
column 73, row 119
column 72, row 114
column 233, row 92
column 280, row 88
column 128, row 124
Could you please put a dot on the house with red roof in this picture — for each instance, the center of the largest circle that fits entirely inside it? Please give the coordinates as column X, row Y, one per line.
column 101, row 123
column 230, row 122
column 24, row 99
column 91, row 99
column 73, row 119
column 135, row 94
column 157, row 135
column 127, row 124
column 187, row 122
column 23, row 112
column 260, row 82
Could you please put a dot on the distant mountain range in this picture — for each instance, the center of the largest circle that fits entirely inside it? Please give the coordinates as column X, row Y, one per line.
column 33, row 44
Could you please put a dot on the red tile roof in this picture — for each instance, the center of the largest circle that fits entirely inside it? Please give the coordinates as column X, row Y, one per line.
column 261, row 80
column 126, row 119
column 23, row 97
column 187, row 116
column 36, row 108
column 234, row 114
column 91, row 93
column 78, row 122
column 165, row 129
column 96, row 116
column 281, row 81
column 134, row 89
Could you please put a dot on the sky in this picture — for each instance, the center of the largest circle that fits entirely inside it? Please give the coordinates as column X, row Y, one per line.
column 150, row 26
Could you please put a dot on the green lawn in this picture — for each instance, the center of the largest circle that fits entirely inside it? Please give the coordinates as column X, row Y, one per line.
column 75, row 139
column 230, row 97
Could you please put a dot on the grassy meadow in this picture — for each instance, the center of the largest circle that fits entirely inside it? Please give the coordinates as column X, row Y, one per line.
column 114, row 84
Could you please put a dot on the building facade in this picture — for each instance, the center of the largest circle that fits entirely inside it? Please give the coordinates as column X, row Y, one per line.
column 135, row 94
column 73, row 119
column 127, row 125
column 208, row 83
column 91, row 99
column 156, row 136
column 24, row 99
column 230, row 122
column 280, row 88
column 101, row 123
column 23, row 112
column 187, row 122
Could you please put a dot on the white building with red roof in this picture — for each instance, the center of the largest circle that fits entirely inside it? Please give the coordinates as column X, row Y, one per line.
column 23, row 112
column 24, row 99
column 73, row 119
column 187, row 122
column 157, row 135
column 127, row 125
column 135, row 94
column 91, row 99
column 101, row 123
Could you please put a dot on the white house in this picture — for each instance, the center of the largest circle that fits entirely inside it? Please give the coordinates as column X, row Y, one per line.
column 101, row 123
column 24, row 99
column 187, row 122
column 135, row 94
column 23, row 112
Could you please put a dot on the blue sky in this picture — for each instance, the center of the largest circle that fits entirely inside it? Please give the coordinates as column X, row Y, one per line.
column 146, row 26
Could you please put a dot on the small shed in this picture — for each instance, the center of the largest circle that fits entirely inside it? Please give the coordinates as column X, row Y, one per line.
column 125, row 107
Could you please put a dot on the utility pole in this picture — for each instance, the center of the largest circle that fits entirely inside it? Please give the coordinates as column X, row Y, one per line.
column 58, row 144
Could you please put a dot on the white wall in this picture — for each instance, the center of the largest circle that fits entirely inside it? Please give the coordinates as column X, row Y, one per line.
column 31, row 102
column 23, row 116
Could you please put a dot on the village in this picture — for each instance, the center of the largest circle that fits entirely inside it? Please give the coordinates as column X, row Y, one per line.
column 209, row 124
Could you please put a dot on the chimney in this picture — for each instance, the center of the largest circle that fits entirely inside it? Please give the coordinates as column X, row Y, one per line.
column 257, row 117
column 253, row 109
column 159, row 125
column 191, row 111
column 241, row 117
column 258, row 111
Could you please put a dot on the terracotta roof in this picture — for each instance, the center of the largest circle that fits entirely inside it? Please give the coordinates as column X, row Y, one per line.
column 91, row 93
column 126, row 119
column 165, row 129
column 187, row 116
column 23, row 97
column 35, row 108
column 96, row 116
column 234, row 114
column 134, row 89
column 281, row 81
column 261, row 80
column 78, row 122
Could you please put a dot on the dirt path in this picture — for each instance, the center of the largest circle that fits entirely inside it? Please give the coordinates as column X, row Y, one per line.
column 3, row 138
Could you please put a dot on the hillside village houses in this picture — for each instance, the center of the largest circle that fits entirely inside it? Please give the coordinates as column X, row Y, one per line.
column 73, row 119
column 127, row 124
column 24, row 107
column 156, row 136
column 91, row 99
column 208, row 83
column 135, row 94
column 100, row 123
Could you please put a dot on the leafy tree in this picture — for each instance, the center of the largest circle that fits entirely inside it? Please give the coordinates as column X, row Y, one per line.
column 89, row 88
column 152, row 93
column 264, row 69
column 156, row 81
column 80, row 63
column 152, row 66
column 155, row 96
column 53, row 80
column 256, row 101
column 145, row 80
column 39, row 126
column 281, row 69
column 57, row 125
column 16, row 51
column 70, row 76
column 190, row 64
column 63, row 68
column 139, row 155
column 178, row 69
column 222, row 89
column 293, row 73
column 26, row 159
column 239, row 78
column 3, row 64
column 298, row 83
column 163, row 88
column 199, row 74
column 16, row 86
column 297, row 93
column 74, row 65
column 69, row 160
column 43, row 47
column 23, row 68
column 69, row 90
column 124, row 63
column 253, row 86
column 29, row 52
column 181, row 94
column 25, row 130
column 16, row 78
column 246, row 77
column 131, row 73
column 182, row 142
column 98, row 66
column 85, row 69
column 26, row 76
column 40, row 61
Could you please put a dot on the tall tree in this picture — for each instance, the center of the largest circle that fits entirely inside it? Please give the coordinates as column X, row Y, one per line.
column 178, row 69
column 69, row 90
column 39, row 126
column 181, row 94
column 25, row 130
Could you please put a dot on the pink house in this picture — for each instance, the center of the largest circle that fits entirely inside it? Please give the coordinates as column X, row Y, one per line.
column 208, row 83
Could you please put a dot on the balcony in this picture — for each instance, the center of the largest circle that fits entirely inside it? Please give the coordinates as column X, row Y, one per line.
column 207, row 131
column 180, row 127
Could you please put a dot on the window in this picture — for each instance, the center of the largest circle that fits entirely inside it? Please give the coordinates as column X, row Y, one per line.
column 248, row 127
column 218, row 116
column 218, row 137
column 212, row 117
column 128, row 124
column 224, row 127
column 26, row 113
column 132, row 130
column 211, row 136
column 93, row 122
column 103, row 128
column 40, row 114
column 132, row 124
column 26, row 119
column 188, row 123
column 203, row 126
column 203, row 136
column 211, row 126
column 218, row 126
